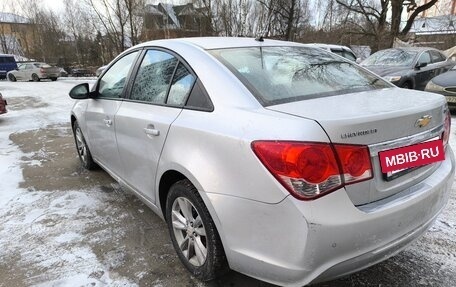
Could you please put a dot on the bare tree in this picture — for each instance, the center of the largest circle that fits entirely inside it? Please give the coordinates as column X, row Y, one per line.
column 284, row 16
column 375, row 14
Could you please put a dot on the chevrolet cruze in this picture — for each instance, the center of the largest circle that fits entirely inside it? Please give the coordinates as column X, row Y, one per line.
column 265, row 156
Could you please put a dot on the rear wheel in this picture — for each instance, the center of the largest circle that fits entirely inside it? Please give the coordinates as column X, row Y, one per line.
column 83, row 150
column 193, row 232
column 53, row 79
column 35, row 78
column 12, row 78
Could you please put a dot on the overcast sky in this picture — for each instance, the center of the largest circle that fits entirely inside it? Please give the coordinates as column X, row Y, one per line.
column 55, row 5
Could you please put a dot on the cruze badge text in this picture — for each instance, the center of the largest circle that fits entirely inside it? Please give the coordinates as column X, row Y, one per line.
column 358, row 133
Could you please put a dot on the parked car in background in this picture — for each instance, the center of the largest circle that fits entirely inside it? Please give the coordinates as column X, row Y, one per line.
column 7, row 63
column 63, row 72
column 410, row 67
column 343, row 51
column 2, row 105
column 445, row 84
column 34, row 71
column 81, row 72
column 100, row 70
column 265, row 156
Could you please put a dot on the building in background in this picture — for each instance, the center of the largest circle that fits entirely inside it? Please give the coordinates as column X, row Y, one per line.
column 441, row 8
column 164, row 21
column 436, row 26
column 16, row 34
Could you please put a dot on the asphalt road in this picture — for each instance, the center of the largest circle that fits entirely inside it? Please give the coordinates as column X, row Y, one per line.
column 89, row 231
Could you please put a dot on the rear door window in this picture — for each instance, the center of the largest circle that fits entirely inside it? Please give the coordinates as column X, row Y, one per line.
column 436, row 57
column 154, row 77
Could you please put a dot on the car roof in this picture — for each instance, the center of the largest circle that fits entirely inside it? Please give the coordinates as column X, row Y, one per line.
column 209, row 43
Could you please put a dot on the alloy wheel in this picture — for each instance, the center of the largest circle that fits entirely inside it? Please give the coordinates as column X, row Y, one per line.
column 189, row 231
column 81, row 145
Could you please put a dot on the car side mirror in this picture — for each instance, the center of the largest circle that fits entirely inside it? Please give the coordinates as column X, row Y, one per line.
column 80, row 92
column 420, row 65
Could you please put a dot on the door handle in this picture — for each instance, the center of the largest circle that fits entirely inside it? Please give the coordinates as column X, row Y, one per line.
column 107, row 122
column 151, row 131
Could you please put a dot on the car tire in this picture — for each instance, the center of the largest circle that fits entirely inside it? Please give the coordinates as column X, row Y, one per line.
column 35, row 78
column 407, row 85
column 12, row 78
column 82, row 148
column 54, row 79
column 193, row 232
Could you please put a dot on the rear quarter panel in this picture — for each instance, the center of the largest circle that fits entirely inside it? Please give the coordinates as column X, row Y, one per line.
column 214, row 150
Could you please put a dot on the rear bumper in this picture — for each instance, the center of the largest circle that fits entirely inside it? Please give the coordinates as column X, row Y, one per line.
column 49, row 75
column 295, row 242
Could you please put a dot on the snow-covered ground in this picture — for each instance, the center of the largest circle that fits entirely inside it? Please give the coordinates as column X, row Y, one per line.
column 54, row 236
column 38, row 227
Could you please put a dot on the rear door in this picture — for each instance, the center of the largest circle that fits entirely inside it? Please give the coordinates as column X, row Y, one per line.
column 101, row 110
column 157, row 96
column 439, row 60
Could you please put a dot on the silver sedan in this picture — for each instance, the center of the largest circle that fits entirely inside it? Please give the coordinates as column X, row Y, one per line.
column 266, row 157
column 34, row 71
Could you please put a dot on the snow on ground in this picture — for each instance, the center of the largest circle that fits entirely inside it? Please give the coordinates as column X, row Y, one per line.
column 38, row 227
column 54, row 109
column 45, row 232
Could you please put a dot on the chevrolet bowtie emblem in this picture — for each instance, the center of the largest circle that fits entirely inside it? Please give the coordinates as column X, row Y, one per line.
column 423, row 121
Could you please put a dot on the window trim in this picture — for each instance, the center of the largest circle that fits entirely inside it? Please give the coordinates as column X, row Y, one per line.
column 180, row 59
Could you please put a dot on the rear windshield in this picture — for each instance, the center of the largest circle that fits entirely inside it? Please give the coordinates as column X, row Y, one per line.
column 278, row 75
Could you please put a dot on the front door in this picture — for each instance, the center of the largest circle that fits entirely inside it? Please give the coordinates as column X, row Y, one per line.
column 157, row 96
column 424, row 74
column 101, row 111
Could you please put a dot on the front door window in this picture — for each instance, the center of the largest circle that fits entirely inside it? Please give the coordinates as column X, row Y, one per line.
column 112, row 83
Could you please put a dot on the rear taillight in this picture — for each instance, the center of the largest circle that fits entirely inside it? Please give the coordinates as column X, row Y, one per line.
column 310, row 170
column 42, row 71
column 446, row 128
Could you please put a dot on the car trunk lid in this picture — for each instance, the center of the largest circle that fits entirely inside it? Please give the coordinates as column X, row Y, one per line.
column 381, row 119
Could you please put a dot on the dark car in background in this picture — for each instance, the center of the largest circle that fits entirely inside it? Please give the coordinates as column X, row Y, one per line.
column 7, row 63
column 410, row 67
column 445, row 84
column 2, row 105
column 81, row 72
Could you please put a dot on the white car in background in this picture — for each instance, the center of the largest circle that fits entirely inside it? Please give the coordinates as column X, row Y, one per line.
column 34, row 71
column 342, row 51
